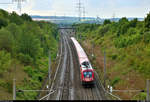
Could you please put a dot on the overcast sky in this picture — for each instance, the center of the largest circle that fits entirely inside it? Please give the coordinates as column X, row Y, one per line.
column 101, row 8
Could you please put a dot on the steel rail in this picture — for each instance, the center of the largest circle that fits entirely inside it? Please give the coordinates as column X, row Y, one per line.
column 71, row 91
column 48, row 95
column 30, row 90
column 56, row 71
column 59, row 95
column 105, row 89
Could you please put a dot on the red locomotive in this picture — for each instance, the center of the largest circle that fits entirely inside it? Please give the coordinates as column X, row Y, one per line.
column 86, row 70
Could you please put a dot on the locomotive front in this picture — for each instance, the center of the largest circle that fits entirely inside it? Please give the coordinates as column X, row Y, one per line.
column 87, row 73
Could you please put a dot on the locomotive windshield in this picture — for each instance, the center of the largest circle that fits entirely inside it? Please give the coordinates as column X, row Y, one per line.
column 87, row 74
column 86, row 64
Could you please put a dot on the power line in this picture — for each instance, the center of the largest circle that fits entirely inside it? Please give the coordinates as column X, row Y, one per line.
column 84, row 12
column 98, row 19
column 19, row 4
column 79, row 7
column 113, row 17
column 6, row 2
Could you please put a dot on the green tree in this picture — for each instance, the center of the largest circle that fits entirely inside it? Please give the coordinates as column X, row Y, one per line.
column 123, row 20
column 26, row 17
column 3, row 22
column 123, row 26
column 5, row 61
column 28, row 43
column 133, row 23
column 14, row 18
column 4, row 14
column 14, row 30
column 102, row 30
column 107, row 21
column 6, row 40
column 147, row 22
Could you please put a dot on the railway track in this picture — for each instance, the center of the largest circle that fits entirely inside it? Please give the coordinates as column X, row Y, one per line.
column 63, row 82
column 67, row 76
column 85, row 93
column 67, row 90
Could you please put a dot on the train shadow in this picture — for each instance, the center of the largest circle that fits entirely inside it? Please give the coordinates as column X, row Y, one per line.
column 89, row 86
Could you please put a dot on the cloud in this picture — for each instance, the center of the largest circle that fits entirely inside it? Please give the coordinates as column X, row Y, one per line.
column 103, row 8
column 35, row 7
column 63, row 7
column 10, row 8
column 49, row 7
column 28, row 6
column 128, row 8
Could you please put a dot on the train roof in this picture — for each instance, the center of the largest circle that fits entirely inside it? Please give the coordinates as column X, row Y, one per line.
column 85, row 68
column 81, row 53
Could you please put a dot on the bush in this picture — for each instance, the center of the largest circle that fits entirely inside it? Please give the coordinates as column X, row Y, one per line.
column 115, row 81
column 131, row 31
column 103, row 30
column 2, row 83
column 3, row 22
column 14, row 30
column 28, row 42
column 5, row 61
column 29, row 70
column 140, row 96
column 147, row 37
column 9, row 86
column 123, row 26
column 26, row 17
column 147, row 22
column 14, row 18
column 124, row 41
column 6, row 84
column 4, row 14
column 144, row 67
column 114, row 56
column 6, row 40
column 133, row 23
column 107, row 21
column 122, row 29
column 26, row 59
column 132, row 41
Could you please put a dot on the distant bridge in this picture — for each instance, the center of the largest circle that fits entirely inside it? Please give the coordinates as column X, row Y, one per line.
column 66, row 28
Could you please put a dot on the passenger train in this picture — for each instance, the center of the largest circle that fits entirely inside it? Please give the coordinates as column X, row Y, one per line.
column 86, row 70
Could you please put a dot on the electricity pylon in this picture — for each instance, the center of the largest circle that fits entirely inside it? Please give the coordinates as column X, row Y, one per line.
column 19, row 4
column 79, row 7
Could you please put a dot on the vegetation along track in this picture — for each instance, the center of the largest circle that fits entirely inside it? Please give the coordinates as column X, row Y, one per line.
column 67, row 82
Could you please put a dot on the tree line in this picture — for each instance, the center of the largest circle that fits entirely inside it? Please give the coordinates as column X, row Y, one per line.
column 126, row 42
column 27, row 42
